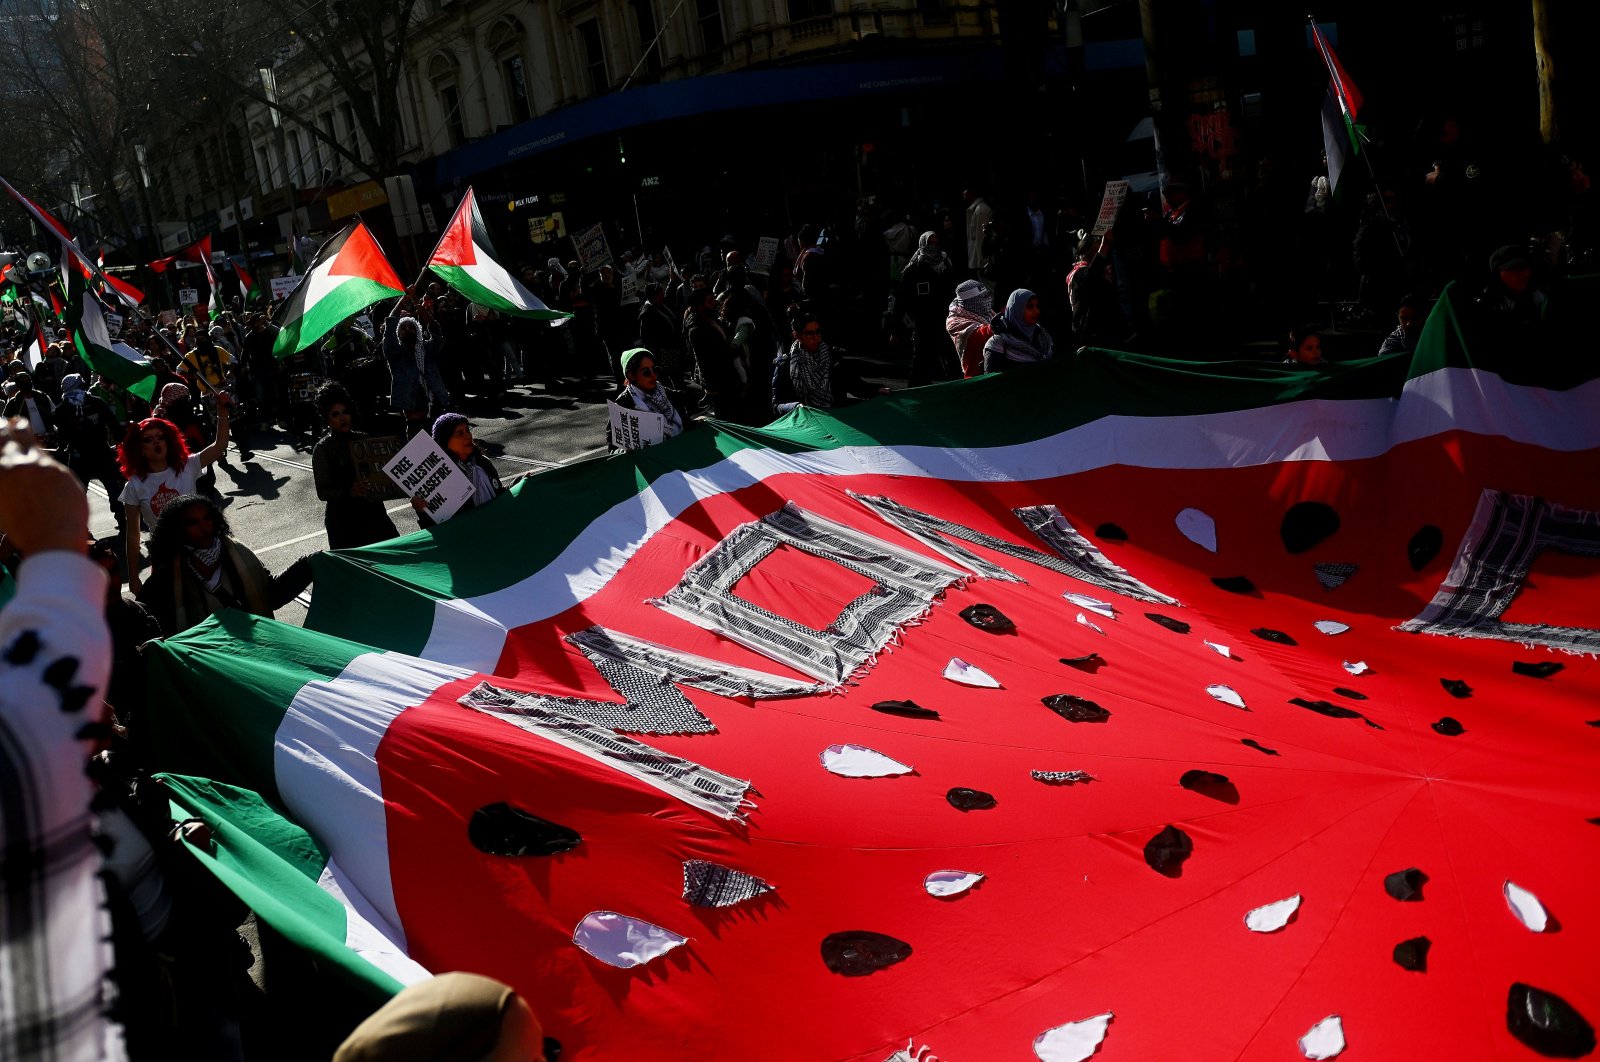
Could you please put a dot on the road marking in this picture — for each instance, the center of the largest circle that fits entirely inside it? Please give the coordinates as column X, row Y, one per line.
column 292, row 464
column 403, row 506
column 527, row 461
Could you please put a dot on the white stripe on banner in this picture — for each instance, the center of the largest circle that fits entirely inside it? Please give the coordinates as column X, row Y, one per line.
column 361, row 932
column 471, row 633
column 325, row 753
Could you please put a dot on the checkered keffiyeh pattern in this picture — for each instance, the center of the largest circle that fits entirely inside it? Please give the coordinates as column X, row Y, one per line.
column 1508, row 533
column 54, row 931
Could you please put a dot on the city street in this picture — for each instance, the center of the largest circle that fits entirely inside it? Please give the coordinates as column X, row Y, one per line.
column 271, row 500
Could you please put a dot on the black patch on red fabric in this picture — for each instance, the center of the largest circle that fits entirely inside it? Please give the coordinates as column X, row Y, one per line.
column 1234, row 584
column 708, row 884
column 1091, row 663
column 1424, row 546
column 1413, row 954
column 1547, row 1023
column 909, row 709
column 1210, row 784
column 1075, row 709
column 1167, row 850
column 1267, row 634
column 964, row 799
column 1111, row 533
column 1307, row 523
column 1176, row 626
column 1405, row 885
column 1060, row 777
column 1536, row 669
column 1258, row 746
column 504, row 830
column 1347, row 692
column 1456, row 688
column 1449, row 726
column 988, row 618
column 1327, row 708
column 859, row 952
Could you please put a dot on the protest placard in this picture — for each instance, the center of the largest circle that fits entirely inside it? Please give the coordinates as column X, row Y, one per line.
column 188, row 296
column 281, row 286
column 1110, row 206
column 766, row 254
column 629, row 286
column 420, row 467
column 370, row 455
column 113, row 324
column 634, row 430
column 593, row 251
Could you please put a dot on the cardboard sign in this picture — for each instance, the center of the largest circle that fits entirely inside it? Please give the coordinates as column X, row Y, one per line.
column 281, row 286
column 1110, row 206
column 370, row 455
column 593, row 251
column 188, row 296
column 633, row 430
column 420, row 467
column 113, row 324
column 766, row 254
column 629, row 285
column 168, row 318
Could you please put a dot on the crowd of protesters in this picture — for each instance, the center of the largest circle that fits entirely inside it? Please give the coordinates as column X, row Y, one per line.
column 935, row 292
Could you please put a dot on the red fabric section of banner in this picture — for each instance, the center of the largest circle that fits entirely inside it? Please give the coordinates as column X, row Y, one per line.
column 1070, row 921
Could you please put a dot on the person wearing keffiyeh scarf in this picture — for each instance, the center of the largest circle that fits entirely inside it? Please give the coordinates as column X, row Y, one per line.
column 414, row 376
column 645, row 393
column 967, row 324
column 197, row 569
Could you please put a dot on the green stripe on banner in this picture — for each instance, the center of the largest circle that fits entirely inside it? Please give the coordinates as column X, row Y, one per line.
column 247, row 669
column 462, row 278
column 273, row 866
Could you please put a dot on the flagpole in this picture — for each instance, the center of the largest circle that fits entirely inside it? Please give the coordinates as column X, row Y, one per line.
column 418, row 283
column 1366, row 156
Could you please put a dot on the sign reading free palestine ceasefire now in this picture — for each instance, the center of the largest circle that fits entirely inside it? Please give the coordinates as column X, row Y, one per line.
column 421, row 467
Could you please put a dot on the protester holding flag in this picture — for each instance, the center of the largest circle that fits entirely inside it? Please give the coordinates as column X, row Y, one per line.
column 414, row 376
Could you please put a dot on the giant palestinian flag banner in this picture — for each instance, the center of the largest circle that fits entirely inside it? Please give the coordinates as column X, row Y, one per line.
column 1121, row 706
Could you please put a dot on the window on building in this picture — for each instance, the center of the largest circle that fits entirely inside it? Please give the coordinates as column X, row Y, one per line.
column 800, row 10
column 450, row 101
column 594, row 55
column 644, row 14
column 235, row 161
column 325, row 147
column 934, row 12
column 710, row 12
column 264, row 175
column 352, row 128
column 516, row 79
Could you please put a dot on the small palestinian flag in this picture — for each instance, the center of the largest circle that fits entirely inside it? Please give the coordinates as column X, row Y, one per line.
column 464, row 259
column 347, row 275
column 105, row 356
column 247, row 284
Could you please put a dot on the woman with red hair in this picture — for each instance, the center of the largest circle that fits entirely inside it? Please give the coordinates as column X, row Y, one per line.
column 160, row 469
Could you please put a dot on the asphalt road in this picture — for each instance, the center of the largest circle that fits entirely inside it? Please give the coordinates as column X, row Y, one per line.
column 271, row 500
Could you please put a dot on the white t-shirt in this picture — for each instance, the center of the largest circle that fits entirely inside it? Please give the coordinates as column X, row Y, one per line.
column 156, row 491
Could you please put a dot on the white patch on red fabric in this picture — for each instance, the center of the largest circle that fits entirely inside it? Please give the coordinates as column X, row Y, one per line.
column 858, row 761
column 1072, row 1042
column 947, row 883
column 958, row 670
column 623, row 942
column 1198, row 528
column 1526, row 906
column 1269, row 918
column 1325, row 1039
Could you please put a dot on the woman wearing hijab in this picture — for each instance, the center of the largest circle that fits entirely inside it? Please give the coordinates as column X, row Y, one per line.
column 1019, row 338
column 926, row 287
column 353, row 517
column 453, row 433
column 645, row 393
